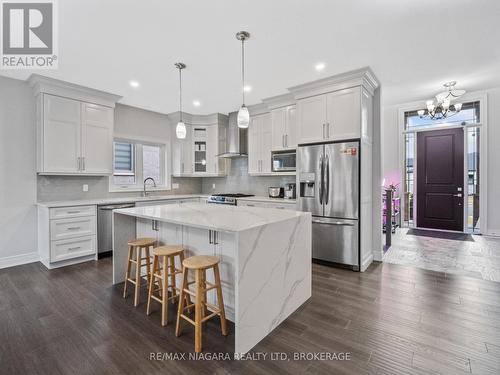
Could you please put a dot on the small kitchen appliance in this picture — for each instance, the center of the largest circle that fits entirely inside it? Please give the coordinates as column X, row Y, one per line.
column 276, row 192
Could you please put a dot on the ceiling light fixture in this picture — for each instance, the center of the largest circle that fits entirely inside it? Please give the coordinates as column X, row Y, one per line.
column 443, row 107
column 180, row 129
column 196, row 103
column 134, row 84
column 320, row 66
column 243, row 114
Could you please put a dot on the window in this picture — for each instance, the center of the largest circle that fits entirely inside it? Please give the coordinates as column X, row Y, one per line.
column 468, row 115
column 135, row 161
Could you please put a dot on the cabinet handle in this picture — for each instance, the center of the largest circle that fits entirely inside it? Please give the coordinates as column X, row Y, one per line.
column 154, row 225
column 328, row 130
column 216, row 238
column 324, row 131
column 73, row 212
column 74, row 248
column 83, row 163
column 78, row 164
column 286, row 140
column 210, row 237
column 74, row 228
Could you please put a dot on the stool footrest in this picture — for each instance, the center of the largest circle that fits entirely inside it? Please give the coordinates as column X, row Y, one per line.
column 209, row 316
column 188, row 319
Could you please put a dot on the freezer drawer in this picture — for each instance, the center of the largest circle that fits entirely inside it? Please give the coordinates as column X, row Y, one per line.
column 335, row 240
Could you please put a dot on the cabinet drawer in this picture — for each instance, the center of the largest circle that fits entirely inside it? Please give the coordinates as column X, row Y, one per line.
column 283, row 206
column 62, row 212
column 251, row 204
column 72, row 248
column 73, row 227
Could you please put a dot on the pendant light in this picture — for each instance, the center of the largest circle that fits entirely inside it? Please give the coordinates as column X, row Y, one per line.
column 243, row 115
column 180, row 129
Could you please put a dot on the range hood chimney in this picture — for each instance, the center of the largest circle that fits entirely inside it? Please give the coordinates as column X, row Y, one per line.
column 236, row 139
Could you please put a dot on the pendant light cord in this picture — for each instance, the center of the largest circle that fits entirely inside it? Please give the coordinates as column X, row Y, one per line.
column 243, row 69
column 180, row 92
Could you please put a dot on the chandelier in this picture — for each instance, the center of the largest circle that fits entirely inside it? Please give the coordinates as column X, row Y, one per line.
column 443, row 107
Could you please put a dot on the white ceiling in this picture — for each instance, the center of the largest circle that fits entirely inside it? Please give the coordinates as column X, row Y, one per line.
column 413, row 46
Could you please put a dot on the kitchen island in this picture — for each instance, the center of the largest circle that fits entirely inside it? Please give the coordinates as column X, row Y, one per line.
column 265, row 256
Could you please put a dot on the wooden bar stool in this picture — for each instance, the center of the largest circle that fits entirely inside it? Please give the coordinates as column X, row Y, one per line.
column 135, row 247
column 199, row 264
column 161, row 273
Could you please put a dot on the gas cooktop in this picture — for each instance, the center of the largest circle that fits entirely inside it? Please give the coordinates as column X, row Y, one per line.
column 226, row 198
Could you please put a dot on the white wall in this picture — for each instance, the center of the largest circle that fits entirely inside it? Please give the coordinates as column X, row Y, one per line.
column 391, row 154
column 18, row 230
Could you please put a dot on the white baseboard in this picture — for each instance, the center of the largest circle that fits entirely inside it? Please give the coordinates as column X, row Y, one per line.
column 366, row 262
column 493, row 232
column 17, row 260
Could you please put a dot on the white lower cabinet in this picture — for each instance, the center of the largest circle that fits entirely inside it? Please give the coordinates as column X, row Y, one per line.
column 72, row 248
column 67, row 235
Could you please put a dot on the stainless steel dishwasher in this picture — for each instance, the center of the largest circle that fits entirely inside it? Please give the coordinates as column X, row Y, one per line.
column 104, row 230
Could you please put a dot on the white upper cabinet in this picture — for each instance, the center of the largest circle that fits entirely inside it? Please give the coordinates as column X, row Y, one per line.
column 97, row 139
column 284, row 128
column 332, row 116
column 311, row 113
column 196, row 155
column 60, row 141
column 74, row 137
column 343, row 114
column 260, row 144
column 74, row 128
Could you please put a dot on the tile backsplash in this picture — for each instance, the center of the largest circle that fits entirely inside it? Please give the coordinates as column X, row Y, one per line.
column 57, row 188
column 238, row 181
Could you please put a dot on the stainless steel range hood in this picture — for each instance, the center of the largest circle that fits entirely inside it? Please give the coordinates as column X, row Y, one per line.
column 236, row 139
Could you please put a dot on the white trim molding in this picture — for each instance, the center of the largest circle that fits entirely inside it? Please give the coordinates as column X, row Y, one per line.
column 17, row 260
column 42, row 84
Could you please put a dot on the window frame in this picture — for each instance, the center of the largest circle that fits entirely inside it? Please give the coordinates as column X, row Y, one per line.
column 165, row 180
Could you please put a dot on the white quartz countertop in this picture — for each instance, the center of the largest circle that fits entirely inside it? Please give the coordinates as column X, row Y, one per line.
column 217, row 217
column 100, row 201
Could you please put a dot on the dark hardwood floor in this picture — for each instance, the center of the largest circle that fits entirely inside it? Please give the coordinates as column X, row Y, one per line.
column 392, row 319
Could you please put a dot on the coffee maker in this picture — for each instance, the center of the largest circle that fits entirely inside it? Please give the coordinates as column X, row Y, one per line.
column 290, row 191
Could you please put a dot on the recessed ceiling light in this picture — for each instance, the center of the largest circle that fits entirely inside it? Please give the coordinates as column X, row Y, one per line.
column 247, row 88
column 320, row 66
column 134, row 84
column 196, row 103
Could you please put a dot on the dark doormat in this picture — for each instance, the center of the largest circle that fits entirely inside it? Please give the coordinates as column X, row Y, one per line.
column 442, row 235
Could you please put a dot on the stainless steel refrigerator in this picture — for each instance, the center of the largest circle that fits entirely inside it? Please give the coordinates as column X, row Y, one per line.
column 328, row 176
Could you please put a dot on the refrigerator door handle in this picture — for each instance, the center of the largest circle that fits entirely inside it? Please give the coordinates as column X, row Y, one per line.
column 321, row 184
column 327, row 174
column 342, row 223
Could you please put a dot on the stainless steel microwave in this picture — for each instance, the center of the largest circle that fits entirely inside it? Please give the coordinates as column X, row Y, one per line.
column 284, row 161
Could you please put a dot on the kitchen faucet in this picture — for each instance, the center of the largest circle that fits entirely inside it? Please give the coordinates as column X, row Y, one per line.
column 145, row 193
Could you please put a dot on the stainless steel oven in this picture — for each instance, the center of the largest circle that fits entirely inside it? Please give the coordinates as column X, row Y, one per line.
column 284, row 161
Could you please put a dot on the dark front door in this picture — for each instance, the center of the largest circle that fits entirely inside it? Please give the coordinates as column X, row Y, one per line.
column 440, row 179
